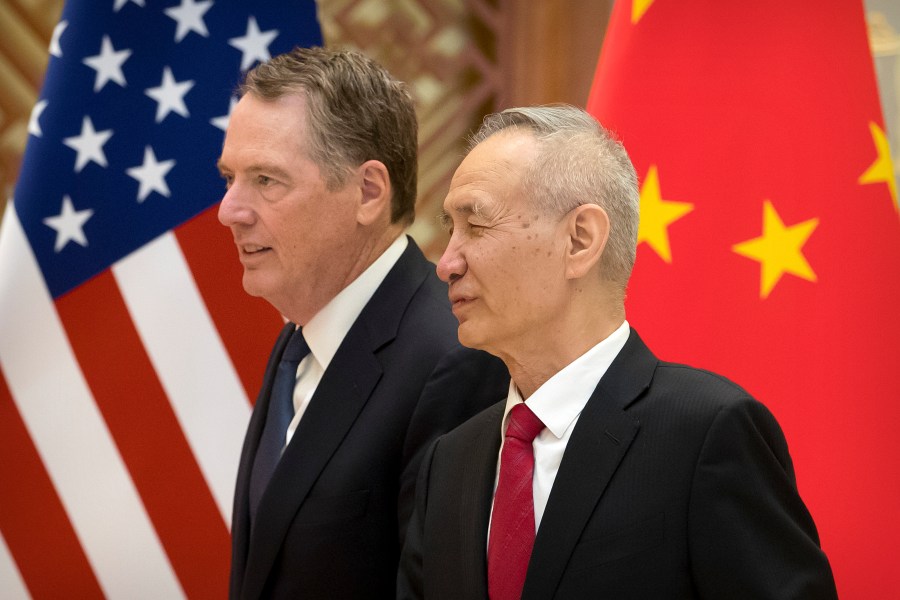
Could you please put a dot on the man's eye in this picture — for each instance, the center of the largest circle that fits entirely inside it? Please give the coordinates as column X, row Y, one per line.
column 265, row 180
column 228, row 180
column 445, row 222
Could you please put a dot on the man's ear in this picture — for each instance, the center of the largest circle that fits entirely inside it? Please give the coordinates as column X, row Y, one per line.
column 375, row 185
column 588, row 230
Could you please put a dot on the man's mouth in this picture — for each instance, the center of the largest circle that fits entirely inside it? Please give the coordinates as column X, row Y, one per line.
column 460, row 301
column 251, row 249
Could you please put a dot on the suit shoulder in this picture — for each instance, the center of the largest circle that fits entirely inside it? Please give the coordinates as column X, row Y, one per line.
column 487, row 419
column 430, row 303
column 689, row 395
column 698, row 383
column 411, row 307
column 432, row 295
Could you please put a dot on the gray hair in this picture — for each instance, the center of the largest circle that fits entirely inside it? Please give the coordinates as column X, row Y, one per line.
column 578, row 162
column 356, row 111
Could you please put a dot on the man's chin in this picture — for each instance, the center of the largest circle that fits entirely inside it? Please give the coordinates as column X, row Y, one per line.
column 253, row 286
column 469, row 336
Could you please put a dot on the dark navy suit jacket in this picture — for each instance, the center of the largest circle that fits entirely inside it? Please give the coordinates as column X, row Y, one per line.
column 675, row 484
column 332, row 520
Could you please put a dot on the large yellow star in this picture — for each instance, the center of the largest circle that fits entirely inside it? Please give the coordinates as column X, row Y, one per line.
column 778, row 249
column 882, row 170
column 638, row 8
column 657, row 214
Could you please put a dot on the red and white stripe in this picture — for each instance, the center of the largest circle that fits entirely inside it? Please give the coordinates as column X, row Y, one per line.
column 123, row 406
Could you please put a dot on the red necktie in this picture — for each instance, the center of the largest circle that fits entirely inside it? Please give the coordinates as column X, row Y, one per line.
column 512, row 522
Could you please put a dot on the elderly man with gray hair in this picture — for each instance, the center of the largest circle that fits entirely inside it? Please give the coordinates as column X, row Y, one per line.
column 606, row 473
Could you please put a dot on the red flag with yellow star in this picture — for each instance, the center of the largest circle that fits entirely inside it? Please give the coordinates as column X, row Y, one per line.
column 769, row 243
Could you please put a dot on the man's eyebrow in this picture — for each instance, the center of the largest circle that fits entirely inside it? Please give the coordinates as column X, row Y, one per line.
column 474, row 208
column 257, row 168
column 268, row 169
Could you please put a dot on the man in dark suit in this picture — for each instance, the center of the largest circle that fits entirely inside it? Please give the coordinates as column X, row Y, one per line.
column 606, row 473
column 319, row 162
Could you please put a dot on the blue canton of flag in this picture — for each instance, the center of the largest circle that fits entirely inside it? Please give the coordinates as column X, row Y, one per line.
column 131, row 118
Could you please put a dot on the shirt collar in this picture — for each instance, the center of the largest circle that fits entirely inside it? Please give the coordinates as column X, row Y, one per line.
column 327, row 329
column 559, row 401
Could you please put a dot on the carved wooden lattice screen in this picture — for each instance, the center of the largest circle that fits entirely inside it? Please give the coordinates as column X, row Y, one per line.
column 25, row 30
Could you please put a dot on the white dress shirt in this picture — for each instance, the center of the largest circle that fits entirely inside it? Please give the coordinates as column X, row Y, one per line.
column 558, row 404
column 326, row 330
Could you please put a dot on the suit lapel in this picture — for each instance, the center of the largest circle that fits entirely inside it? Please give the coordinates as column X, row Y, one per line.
column 240, row 529
column 341, row 395
column 475, row 505
column 601, row 439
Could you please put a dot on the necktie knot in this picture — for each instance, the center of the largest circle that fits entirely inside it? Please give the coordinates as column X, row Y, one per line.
column 296, row 348
column 523, row 424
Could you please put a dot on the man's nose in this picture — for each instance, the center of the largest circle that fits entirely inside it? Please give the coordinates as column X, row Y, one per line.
column 233, row 209
column 452, row 265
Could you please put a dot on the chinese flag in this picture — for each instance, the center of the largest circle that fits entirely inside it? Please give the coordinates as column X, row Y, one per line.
column 769, row 243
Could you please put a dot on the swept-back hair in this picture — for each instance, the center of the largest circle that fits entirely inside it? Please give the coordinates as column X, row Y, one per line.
column 356, row 111
column 578, row 162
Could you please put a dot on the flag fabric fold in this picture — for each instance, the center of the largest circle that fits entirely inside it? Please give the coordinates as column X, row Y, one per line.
column 769, row 243
column 129, row 353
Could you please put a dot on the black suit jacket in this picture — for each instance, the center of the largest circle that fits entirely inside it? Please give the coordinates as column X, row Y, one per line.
column 331, row 522
column 674, row 484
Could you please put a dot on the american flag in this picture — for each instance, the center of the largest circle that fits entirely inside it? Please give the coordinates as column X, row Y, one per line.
column 129, row 354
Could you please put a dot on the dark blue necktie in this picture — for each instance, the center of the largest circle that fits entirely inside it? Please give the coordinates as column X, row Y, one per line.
column 281, row 412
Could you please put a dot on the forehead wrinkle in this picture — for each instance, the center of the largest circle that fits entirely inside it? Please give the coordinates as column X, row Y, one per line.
column 463, row 207
column 258, row 167
column 474, row 207
column 267, row 168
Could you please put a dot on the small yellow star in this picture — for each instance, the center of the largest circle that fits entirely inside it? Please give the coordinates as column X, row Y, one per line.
column 638, row 8
column 882, row 170
column 656, row 216
column 778, row 249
